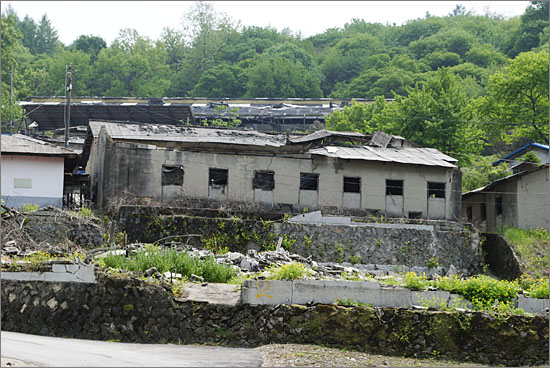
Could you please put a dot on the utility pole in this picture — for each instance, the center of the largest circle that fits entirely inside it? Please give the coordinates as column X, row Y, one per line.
column 11, row 100
column 68, row 103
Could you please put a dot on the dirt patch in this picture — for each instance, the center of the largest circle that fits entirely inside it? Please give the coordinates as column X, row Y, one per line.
column 295, row 355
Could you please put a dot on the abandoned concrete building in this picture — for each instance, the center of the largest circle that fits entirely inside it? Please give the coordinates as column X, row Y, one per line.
column 519, row 200
column 323, row 170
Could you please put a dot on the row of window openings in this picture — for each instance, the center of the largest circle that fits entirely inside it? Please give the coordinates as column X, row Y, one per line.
column 173, row 175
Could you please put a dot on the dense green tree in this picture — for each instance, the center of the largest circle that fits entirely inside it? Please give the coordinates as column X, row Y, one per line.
column 46, row 39
column 533, row 22
column 28, row 28
column 220, row 81
column 132, row 66
column 436, row 115
column 11, row 37
column 482, row 172
column 485, row 55
column 439, row 59
column 90, row 45
column 517, row 104
column 277, row 76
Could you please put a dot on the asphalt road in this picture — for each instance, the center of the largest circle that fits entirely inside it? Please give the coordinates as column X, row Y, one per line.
column 61, row 352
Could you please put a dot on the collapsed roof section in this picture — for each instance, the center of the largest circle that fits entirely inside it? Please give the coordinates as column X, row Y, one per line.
column 324, row 143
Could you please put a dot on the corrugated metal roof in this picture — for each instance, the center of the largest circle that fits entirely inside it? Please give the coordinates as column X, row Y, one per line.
column 326, row 133
column 413, row 156
column 170, row 133
column 18, row 143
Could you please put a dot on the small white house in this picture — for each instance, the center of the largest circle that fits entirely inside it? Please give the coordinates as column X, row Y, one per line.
column 32, row 171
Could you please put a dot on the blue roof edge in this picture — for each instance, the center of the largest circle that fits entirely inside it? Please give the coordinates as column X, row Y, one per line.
column 516, row 152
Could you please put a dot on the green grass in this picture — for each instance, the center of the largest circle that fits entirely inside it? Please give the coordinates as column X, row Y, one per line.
column 171, row 260
column 290, row 271
column 531, row 246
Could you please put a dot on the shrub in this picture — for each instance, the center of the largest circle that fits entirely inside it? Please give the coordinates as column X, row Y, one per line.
column 289, row 271
column 414, row 282
column 538, row 289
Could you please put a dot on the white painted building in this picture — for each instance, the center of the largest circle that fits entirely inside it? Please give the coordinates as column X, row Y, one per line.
column 320, row 171
column 32, row 171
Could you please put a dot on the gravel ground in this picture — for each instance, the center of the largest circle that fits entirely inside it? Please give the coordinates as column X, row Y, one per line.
column 293, row 355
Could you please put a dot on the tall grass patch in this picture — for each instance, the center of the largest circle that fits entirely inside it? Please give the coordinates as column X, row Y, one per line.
column 173, row 261
column 531, row 246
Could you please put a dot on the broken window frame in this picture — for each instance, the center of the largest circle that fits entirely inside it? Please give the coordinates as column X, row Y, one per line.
column 264, row 180
column 436, row 189
column 218, row 177
column 309, row 181
column 172, row 175
column 352, row 184
column 394, row 187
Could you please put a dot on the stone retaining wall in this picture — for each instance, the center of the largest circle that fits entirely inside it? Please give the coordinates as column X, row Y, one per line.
column 433, row 243
column 129, row 310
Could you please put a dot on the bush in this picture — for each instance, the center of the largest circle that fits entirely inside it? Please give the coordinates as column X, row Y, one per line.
column 538, row 289
column 482, row 291
column 289, row 271
column 414, row 282
column 173, row 261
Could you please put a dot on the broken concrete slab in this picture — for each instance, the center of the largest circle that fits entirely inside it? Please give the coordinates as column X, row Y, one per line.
column 267, row 292
column 531, row 305
column 60, row 273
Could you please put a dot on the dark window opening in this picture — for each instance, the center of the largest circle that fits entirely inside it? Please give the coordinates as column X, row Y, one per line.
column 498, row 205
column 415, row 215
column 217, row 177
column 309, row 181
column 172, row 175
column 394, row 187
column 469, row 213
column 436, row 190
column 483, row 212
column 352, row 185
column 264, row 180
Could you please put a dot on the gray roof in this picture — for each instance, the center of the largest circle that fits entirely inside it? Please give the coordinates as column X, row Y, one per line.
column 21, row 144
column 414, row 156
column 326, row 133
column 171, row 133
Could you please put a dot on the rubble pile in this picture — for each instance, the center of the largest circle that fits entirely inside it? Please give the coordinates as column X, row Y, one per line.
column 255, row 264
column 50, row 230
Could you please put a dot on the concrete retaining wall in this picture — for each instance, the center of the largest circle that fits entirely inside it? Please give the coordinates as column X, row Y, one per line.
column 273, row 292
column 60, row 273
column 132, row 311
column 410, row 245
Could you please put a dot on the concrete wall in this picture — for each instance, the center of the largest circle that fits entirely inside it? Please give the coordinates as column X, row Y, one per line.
column 32, row 179
column 118, row 167
column 273, row 292
column 533, row 200
column 60, row 273
column 525, row 203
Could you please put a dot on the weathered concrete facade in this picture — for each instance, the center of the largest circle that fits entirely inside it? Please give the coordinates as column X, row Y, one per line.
column 295, row 179
column 520, row 200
